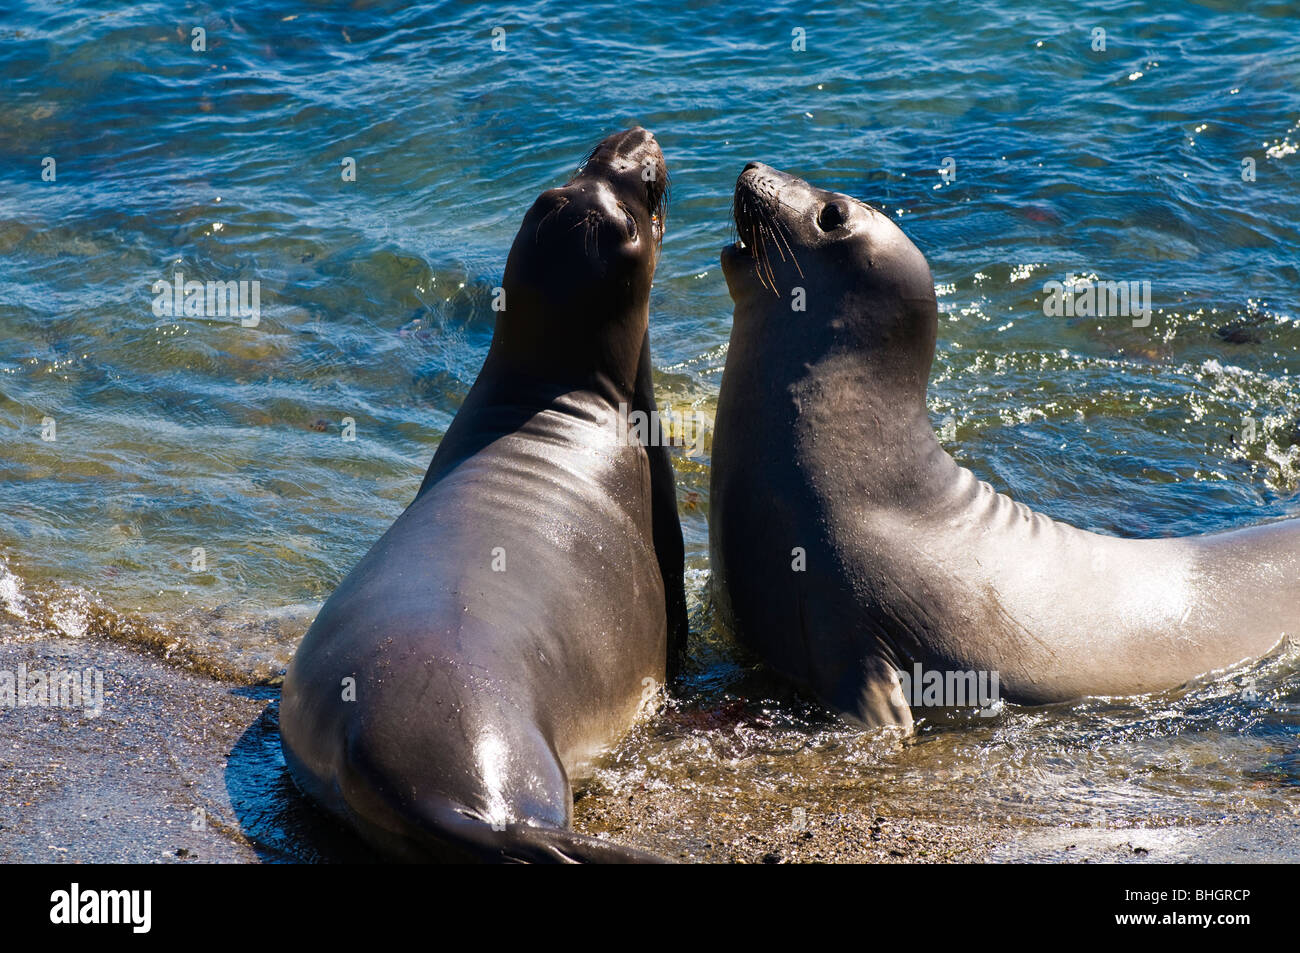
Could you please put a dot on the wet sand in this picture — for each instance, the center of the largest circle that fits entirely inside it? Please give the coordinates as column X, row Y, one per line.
column 181, row 767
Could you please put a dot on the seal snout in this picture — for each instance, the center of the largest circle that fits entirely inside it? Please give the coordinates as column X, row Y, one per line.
column 765, row 241
column 632, row 163
column 750, row 205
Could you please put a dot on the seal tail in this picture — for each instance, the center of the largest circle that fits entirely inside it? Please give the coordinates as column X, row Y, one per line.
column 439, row 826
column 422, row 796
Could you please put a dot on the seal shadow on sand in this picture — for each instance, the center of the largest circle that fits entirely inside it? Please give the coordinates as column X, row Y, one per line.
column 279, row 823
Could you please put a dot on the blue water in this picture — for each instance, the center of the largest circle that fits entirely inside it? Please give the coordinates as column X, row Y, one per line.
column 180, row 433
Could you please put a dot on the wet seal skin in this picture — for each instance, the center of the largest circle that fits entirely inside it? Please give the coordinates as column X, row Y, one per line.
column 848, row 548
column 522, row 612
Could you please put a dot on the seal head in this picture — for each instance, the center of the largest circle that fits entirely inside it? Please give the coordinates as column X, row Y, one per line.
column 579, row 272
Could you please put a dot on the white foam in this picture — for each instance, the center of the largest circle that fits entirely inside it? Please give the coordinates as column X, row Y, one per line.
column 11, row 594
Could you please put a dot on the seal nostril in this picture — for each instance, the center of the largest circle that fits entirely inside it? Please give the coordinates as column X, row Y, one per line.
column 832, row 216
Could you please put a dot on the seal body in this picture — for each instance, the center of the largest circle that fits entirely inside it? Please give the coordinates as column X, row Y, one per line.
column 847, row 546
column 518, row 615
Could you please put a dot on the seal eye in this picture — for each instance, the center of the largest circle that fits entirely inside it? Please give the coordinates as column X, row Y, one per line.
column 832, row 216
column 629, row 221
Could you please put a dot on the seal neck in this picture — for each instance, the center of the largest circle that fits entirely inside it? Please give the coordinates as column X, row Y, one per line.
column 512, row 390
column 543, row 356
column 871, row 423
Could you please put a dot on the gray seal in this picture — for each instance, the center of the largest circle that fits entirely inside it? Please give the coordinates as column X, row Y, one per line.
column 517, row 617
column 847, row 546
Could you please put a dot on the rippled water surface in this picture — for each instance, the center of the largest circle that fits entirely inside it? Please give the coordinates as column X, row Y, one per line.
column 174, row 434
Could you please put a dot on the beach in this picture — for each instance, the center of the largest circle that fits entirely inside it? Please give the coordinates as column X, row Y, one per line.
column 184, row 768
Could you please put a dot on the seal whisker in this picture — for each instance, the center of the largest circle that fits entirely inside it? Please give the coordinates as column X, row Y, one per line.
column 658, row 203
column 753, row 214
column 781, row 231
column 764, row 230
column 766, row 276
column 560, row 203
column 592, row 222
column 782, row 234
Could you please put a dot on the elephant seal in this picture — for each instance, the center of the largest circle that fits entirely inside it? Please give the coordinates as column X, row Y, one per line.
column 847, row 546
column 518, row 615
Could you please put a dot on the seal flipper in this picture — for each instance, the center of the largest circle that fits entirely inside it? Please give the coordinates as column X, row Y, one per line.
column 863, row 689
column 467, row 837
column 443, row 831
column 873, row 696
column 670, row 551
column 527, row 844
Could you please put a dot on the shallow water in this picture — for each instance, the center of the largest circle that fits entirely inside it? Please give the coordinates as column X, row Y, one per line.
column 180, row 433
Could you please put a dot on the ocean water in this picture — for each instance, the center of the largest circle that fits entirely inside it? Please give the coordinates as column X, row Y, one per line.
column 199, row 493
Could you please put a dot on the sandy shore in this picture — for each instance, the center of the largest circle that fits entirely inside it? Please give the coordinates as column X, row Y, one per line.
column 178, row 767
column 181, row 767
